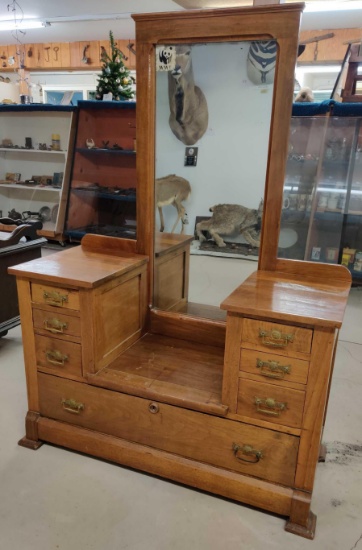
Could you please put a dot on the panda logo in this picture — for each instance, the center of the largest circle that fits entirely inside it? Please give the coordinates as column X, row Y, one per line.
column 165, row 55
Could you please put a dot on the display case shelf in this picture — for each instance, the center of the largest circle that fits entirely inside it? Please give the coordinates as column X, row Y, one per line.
column 322, row 213
column 51, row 168
column 102, row 194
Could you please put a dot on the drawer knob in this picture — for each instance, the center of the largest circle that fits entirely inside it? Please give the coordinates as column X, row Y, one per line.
column 55, row 298
column 55, row 357
column 153, row 408
column 70, row 405
column 55, row 326
column 273, row 369
column 247, row 450
column 269, row 406
column 275, row 338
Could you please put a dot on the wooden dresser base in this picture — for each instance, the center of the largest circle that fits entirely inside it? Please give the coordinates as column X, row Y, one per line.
column 273, row 498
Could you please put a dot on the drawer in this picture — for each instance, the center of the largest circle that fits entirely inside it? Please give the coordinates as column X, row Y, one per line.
column 270, row 366
column 55, row 296
column 222, row 442
column 275, row 336
column 56, row 323
column 53, row 353
column 278, row 404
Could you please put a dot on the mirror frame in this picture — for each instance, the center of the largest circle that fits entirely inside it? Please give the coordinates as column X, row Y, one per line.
column 278, row 22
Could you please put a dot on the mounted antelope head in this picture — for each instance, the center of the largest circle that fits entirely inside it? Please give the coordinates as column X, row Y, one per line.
column 188, row 108
column 173, row 190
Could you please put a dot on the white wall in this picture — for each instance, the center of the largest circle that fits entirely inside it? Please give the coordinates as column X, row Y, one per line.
column 232, row 155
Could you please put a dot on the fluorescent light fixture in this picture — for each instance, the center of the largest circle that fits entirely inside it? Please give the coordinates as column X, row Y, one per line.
column 333, row 6
column 23, row 25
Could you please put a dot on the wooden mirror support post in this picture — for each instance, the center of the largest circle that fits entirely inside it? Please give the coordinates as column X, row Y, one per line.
column 233, row 407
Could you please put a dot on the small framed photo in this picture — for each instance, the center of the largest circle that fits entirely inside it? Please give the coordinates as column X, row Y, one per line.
column 316, row 253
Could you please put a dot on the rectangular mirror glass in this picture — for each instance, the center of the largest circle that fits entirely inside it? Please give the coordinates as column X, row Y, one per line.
column 213, row 115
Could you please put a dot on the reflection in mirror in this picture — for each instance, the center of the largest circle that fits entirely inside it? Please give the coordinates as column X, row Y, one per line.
column 213, row 113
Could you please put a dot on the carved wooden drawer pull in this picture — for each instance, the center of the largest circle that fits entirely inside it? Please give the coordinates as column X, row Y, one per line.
column 247, row 450
column 55, row 298
column 273, row 369
column 55, row 326
column 275, row 338
column 70, row 405
column 269, row 406
column 55, row 357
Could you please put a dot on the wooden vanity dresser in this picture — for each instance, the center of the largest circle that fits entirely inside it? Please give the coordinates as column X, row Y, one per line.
column 233, row 407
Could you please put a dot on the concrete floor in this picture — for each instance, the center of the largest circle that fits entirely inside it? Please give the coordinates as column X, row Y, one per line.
column 57, row 499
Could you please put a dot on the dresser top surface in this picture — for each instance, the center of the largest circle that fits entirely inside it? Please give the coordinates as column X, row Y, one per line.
column 290, row 298
column 76, row 266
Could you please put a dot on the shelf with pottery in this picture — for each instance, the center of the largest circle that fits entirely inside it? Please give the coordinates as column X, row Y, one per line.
column 35, row 176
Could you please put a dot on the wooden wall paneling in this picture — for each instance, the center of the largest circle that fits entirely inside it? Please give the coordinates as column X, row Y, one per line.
column 55, row 55
column 103, row 44
column 332, row 49
column 89, row 51
column 131, row 55
column 47, row 55
column 30, row 57
column 74, row 54
column 4, row 57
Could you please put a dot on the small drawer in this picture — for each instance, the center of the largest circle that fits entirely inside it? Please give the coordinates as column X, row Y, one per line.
column 266, row 335
column 236, row 446
column 269, row 366
column 55, row 296
column 53, row 353
column 277, row 404
column 56, row 323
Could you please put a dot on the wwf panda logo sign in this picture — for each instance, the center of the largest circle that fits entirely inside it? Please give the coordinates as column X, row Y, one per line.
column 165, row 58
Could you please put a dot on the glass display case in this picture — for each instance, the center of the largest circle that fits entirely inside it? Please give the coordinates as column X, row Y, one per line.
column 36, row 142
column 102, row 194
column 322, row 207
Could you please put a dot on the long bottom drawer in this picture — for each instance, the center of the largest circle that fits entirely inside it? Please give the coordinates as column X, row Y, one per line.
column 222, row 442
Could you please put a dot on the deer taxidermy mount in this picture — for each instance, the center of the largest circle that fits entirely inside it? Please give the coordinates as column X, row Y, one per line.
column 189, row 114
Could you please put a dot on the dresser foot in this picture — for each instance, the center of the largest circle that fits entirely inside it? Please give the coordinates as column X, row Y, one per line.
column 307, row 531
column 31, row 440
column 322, row 453
column 301, row 521
column 29, row 443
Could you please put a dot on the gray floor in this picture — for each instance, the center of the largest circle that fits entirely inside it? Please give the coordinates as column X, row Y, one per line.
column 56, row 499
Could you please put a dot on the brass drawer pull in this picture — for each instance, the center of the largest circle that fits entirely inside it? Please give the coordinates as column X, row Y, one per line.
column 269, row 406
column 55, row 357
column 55, row 298
column 273, row 369
column 248, row 451
column 153, row 408
column 275, row 338
column 72, row 406
column 55, row 326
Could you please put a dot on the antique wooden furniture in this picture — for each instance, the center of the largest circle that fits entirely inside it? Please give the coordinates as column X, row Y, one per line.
column 21, row 245
column 235, row 408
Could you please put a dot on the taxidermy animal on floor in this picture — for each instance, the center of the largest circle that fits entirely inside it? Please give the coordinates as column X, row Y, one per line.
column 305, row 95
column 173, row 190
column 189, row 114
column 231, row 218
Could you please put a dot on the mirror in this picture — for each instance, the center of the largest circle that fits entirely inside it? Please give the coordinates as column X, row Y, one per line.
column 213, row 115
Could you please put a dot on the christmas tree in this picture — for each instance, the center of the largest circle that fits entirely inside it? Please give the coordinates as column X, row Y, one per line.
column 115, row 77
